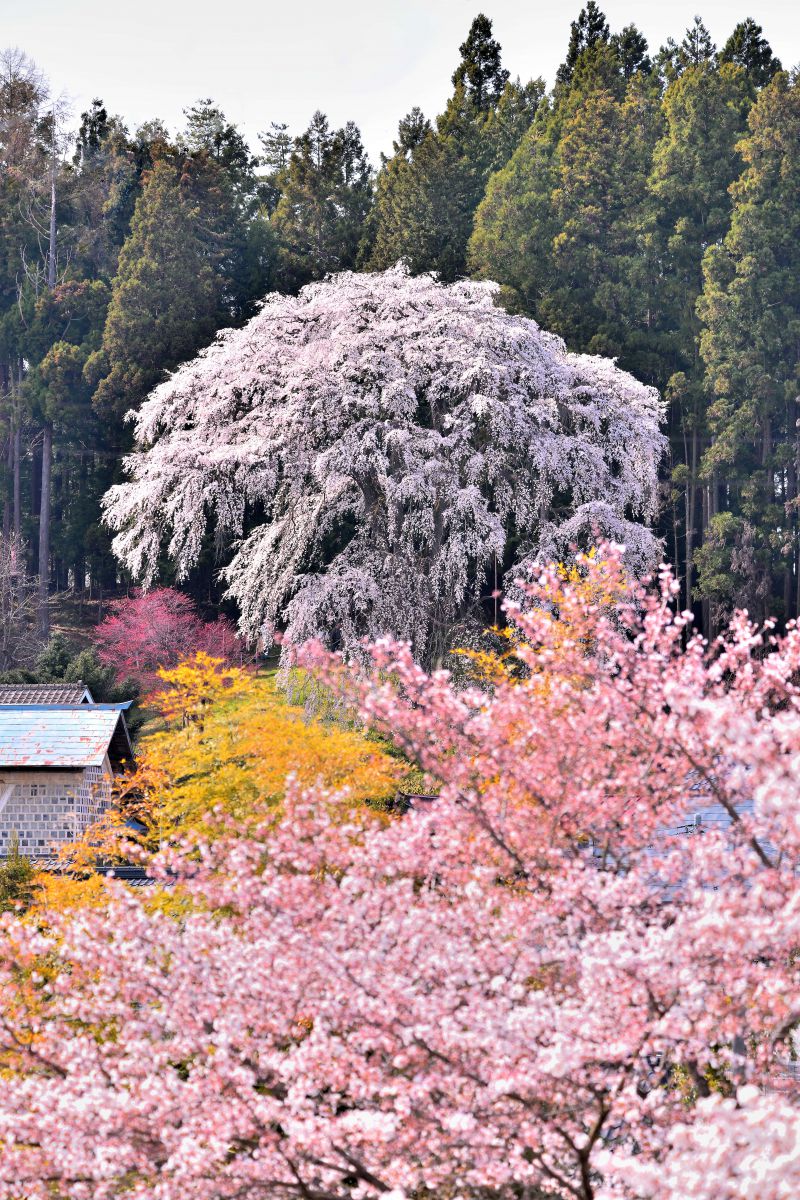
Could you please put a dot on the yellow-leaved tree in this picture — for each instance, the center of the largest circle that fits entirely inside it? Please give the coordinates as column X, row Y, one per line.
column 568, row 592
column 219, row 761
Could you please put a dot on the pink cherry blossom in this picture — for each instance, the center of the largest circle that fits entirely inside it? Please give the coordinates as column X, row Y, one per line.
column 551, row 982
column 161, row 628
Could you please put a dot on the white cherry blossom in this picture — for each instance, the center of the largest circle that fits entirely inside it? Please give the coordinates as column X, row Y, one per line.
column 371, row 450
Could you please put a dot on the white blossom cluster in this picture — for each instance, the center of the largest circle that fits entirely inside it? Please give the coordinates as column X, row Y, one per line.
column 375, row 448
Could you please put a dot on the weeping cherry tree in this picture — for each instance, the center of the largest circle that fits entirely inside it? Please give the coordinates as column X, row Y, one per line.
column 379, row 453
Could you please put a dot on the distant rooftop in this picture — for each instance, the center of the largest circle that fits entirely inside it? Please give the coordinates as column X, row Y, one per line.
column 63, row 736
column 44, row 693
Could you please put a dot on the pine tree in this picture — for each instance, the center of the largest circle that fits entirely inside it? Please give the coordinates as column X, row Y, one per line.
column 209, row 131
column 590, row 29
column 92, row 132
column 232, row 200
column 326, row 195
column 694, row 165
column 480, row 70
column 515, row 223
column 426, row 196
column 631, row 49
column 749, row 49
column 196, row 257
column 23, row 92
column 751, row 309
column 596, row 185
column 411, row 132
column 427, row 193
column 64, row 328
column 697, row 46
column 511, row 118
column 276, row 145
column 166, row 297
column 392, row 217
column 100, row 193
column 559, row 224
column 36, row 137
column 695, row 49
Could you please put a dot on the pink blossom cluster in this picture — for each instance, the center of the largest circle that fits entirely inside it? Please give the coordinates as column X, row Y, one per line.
column 540, row 986
column 160, row 628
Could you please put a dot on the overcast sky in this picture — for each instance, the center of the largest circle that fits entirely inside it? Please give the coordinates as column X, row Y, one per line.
column 279, row 60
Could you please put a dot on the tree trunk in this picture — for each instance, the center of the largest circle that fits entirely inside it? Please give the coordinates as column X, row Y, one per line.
column 768, row 571
column 47, row 437
column 44, row 533
column 706, row 518
column 35, row 494
column 691, row 516
column 792, row 580
column 5, row 375
column 16, row 468
column 51, row 249
column 17, row 480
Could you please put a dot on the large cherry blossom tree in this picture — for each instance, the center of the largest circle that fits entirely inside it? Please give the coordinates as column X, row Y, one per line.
column 381, row 450
column 539, row 986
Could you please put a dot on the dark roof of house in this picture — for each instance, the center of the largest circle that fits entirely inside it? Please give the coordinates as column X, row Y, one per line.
column 45, row 693
column 63, row 736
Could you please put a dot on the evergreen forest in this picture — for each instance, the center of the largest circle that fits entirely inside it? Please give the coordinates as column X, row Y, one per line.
column 644, row 208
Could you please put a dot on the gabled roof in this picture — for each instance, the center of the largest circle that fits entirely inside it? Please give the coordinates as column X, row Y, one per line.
column 63, row 736
column 45, row 693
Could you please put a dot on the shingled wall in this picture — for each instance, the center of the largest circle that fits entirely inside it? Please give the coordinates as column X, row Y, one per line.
column 47, row 808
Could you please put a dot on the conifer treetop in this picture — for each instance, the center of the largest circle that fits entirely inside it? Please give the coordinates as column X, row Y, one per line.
column 480, row 71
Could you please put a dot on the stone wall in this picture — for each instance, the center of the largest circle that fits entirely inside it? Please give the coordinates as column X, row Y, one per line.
column 47, row 808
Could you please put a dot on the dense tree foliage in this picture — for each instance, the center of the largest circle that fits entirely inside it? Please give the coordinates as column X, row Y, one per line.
column 749, row 49
column 228, row 743
column 325, row 197
column 568, row 970
column 17, row 880
column 144, row 634
column 480, row 70
column 539, row 984
column 589, row 30
column 598, row 226
column 377, row 448
column 751, row 312
column 427, row 192
column 594, row 207
column 155, row 243
column 694, row 164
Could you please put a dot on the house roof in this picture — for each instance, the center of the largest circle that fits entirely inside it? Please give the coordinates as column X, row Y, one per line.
column 63, row 736
column 45, row 693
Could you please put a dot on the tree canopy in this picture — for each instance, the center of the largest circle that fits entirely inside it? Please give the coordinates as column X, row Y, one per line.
column 480, row 71
column 403, row 441
column 593, row 204
column 750, row 306
column 550, row 980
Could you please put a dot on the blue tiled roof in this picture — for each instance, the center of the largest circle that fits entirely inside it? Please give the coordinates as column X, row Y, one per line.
column 45, row 693
column 66, row 736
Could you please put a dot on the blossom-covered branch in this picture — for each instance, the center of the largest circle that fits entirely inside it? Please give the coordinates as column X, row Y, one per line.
column 541, row 985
